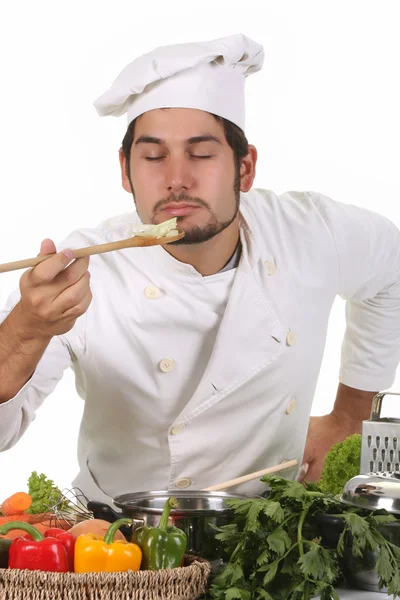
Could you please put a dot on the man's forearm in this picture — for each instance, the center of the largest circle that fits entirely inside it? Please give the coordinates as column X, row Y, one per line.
column 352, row 406
column 20, row 353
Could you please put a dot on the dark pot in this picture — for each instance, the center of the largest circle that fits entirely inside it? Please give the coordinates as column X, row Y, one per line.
column 360, row 572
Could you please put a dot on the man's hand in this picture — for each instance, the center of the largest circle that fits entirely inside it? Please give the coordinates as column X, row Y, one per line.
column 53, row 294
column 351, row 408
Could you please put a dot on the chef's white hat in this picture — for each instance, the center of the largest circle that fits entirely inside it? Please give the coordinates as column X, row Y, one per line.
column 209, row 76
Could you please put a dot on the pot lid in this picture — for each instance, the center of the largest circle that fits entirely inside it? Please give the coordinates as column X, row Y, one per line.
column 374, row 491
column 191, row 502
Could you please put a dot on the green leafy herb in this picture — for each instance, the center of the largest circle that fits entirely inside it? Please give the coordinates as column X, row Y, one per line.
column 44, row 494
column 341, row 464
column 275, row 547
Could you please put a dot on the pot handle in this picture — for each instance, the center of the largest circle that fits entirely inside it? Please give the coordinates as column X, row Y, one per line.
column 137, row 523
column 103, row 511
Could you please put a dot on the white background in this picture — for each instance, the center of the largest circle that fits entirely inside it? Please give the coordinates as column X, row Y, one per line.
column 323, row 112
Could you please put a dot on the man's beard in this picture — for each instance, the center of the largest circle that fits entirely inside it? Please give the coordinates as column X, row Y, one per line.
column 197, row 234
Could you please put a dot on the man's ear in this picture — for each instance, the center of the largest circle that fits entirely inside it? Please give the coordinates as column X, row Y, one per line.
column 248, row 169
column 126, row 184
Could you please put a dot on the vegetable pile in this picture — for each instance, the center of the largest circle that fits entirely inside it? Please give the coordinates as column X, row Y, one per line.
column 28, row 540
column 33, row 507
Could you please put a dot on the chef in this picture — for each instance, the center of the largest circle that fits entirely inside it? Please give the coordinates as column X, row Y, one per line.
column 198, row 361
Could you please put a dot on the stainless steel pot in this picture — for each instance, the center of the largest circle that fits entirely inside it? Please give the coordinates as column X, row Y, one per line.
column 198, row 513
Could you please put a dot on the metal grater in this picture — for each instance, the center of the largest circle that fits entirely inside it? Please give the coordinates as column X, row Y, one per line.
column 380, row 443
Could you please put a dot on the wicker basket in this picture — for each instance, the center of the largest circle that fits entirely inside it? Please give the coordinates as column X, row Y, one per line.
column 184, row 583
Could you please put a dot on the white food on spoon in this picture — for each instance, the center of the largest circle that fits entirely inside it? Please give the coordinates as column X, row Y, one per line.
column 165, row 229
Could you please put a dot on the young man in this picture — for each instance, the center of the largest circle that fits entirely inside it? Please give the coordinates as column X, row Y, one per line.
column 198, row 361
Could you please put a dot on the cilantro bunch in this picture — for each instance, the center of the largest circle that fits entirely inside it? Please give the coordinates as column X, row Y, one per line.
column 44, row 494
column 275, row 546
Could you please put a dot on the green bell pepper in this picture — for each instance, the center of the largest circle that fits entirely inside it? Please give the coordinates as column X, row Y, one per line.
column 4, row 548
column 163, row 547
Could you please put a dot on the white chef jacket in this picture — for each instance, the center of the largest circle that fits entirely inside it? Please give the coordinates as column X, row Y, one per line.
column 189, row 381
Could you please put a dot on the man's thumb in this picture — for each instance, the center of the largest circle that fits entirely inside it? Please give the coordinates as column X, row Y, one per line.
column 47, row 247
column 302, row 472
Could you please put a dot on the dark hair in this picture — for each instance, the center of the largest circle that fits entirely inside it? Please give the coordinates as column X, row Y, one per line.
column 234, row 136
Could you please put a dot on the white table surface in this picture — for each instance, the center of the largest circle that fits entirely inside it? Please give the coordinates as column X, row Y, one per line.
column 361, row 595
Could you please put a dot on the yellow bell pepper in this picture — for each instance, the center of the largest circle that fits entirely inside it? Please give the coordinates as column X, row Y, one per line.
column 94, row 554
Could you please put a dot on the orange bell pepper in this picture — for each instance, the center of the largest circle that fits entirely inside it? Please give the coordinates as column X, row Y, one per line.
column 94, row 554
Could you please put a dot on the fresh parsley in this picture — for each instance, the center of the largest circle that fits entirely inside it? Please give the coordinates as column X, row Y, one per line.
column 275, row 552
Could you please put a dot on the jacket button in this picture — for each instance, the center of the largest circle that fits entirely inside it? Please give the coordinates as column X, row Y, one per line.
column 177, row 429
column 183, row 483
column 152, row 292
column 271, row 267
column 291, row 407
column 291, row 338
column 166, row 365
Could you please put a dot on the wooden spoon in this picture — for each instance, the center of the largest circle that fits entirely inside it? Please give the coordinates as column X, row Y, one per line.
column 136, row 241
column 288, row 464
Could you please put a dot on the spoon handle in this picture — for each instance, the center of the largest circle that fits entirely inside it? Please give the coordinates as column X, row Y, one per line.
column 132, row 242
column 256, row 475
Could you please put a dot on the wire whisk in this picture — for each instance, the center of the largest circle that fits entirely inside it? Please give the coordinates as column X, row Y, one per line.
column 70, row 509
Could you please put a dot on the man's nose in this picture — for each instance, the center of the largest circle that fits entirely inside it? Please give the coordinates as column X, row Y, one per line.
column 178, row 175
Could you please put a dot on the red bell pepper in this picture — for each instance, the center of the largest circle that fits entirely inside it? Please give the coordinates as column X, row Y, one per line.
column 44, row 554
column 67, row 540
